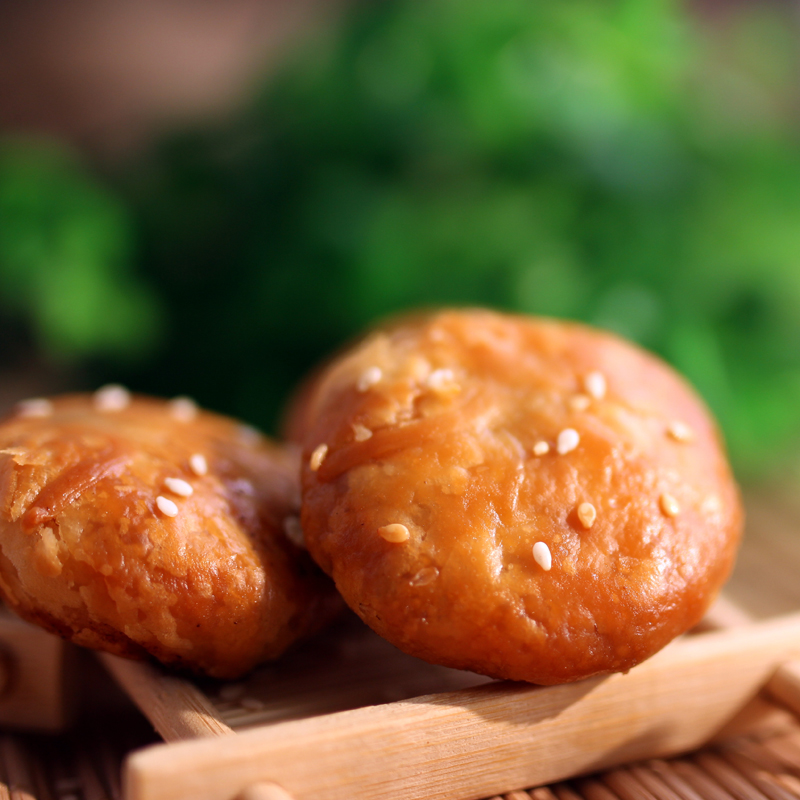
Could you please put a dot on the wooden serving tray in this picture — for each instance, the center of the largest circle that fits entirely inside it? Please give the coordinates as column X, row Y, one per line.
column 38, row 680
column 348, row 716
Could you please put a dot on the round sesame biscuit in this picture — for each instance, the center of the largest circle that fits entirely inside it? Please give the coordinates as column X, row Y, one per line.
column 525, row 498
column 140, row 526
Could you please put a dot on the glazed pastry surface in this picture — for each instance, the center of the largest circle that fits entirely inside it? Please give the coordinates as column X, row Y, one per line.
column 525, row 498
column 140, row 526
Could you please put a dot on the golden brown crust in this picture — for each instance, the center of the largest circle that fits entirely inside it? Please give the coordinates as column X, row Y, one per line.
column 426, row 485
column 89, row 551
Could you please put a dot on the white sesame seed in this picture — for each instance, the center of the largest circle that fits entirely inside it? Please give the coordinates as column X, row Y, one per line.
column 179, row 486
column 34, row 407
column 680, row 432
column 317, row 457
column 183, row 409
column 595, row 384
column 424, row 577
column 112, row 398
column 361, row 433
column 579, row 402
column 294, row 531
column 712, row 504
column 166, row 506
column 567, row 441
column 198, row 464
column 441, row 379
column 394, row 533
column 369, row 377
column 587, row 514
column 541, row 555
column 669, row 505
column 541, row 448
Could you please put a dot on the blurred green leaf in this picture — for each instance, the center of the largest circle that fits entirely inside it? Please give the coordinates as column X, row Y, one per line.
column 618, row 162
column 65, row 258
column 570, row 159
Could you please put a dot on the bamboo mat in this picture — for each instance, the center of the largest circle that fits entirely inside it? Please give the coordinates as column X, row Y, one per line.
column 85, row 761
column 83, row 765
column 757, row 758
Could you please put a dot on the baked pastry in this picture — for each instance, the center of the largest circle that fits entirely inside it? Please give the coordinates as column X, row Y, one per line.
column 138, row 526
column 524, row 498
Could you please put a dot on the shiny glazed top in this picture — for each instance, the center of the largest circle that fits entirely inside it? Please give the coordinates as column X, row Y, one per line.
column 525, row 498
column 139, row 526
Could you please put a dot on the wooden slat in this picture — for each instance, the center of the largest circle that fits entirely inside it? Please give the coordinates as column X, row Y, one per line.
column 175, row 706
column 484, row 741
column 349, row 666
column 666, row 771
column 732, row 780
column 594, row 789
column 784, row 685
column 786, row 748
column 360, row 669
column 701, row 782
column 38, row 690
column 548, row 793
column 264, row 791
column 560, row 790
column 761, row 717
column 756, row 776
column 626, row 785
column 655, row 784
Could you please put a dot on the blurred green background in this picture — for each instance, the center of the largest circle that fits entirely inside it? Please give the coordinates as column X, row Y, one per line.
column 632, row 163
